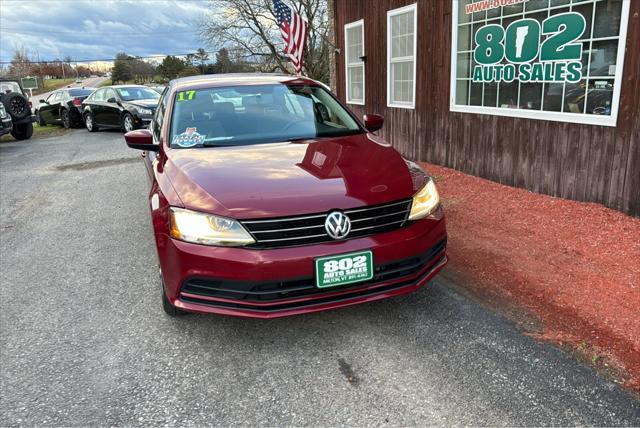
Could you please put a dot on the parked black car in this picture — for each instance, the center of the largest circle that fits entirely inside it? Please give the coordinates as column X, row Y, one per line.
column 125, row 107
column 63, row 107
column 18, row 107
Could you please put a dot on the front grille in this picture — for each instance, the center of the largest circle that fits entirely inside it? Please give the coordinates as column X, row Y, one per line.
column 246, row 293
column 309, row 229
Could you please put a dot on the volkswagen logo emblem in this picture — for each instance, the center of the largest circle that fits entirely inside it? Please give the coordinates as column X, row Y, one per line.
column 337, row 225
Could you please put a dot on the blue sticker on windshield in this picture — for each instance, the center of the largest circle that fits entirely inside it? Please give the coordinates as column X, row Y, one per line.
column 189, row 138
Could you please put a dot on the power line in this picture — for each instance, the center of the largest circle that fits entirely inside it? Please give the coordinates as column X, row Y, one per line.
column 131, row 58
column 89, row 33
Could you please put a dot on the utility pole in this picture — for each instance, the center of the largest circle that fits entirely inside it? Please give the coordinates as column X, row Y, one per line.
column 62, row 65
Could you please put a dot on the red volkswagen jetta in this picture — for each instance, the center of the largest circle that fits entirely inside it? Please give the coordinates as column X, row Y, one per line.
column 270, row 198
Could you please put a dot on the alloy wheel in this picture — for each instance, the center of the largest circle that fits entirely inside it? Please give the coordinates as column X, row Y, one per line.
column 88, row 120
column 128, row 123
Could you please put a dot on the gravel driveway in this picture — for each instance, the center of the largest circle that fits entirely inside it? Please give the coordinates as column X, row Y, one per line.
column 84, row 340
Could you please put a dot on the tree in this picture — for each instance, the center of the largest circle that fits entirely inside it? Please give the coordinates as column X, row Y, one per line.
column 250, row 25
column 202, row 56
column 21, row 65
column 171, row 67
column 121, row 71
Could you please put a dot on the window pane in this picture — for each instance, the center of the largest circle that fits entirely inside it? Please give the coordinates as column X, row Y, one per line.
column 402, row 78
column 536, row 5
column 603, row 58
column 356, row 83
column 402, row 35
column 464, row 38
column 462, row 92
column 586, row 10
column 574, row 97
column 476, row 94
column 553, row 96
column 608, row 16
column 490, row 94
column 599, row 97
column 464, row 62
column 462, row 15
column 354, row 44
column 531, row 96
column 508, row 95
column 559, row 2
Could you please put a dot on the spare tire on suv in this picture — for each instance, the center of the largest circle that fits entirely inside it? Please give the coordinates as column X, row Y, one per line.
column 17, row 106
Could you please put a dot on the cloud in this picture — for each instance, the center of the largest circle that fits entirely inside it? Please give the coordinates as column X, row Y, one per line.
column 90, row 29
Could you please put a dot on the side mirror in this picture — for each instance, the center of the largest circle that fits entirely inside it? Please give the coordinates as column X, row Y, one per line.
column 141, row 139
column 373, row 122
column 42, row 101
column 111, row 100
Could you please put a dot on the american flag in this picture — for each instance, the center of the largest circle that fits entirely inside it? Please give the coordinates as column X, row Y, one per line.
column 294, row 32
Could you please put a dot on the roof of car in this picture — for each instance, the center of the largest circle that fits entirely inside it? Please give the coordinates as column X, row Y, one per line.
column 237, row 80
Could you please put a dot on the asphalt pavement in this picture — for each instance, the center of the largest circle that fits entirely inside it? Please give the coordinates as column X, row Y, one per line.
column 84, row 341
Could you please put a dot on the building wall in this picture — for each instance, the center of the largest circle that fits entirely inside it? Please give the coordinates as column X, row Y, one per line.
column 574, row 161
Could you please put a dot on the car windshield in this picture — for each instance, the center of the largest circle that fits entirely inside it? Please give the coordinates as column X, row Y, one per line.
column 80, row 92
column 242, row 115
column 137, row 93
column 7, row 87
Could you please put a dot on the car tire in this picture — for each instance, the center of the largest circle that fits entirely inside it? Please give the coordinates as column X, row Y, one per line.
column 127, row 123
column 23, row 131
column 39, row 119
column 65, row 118
column 16, row 105
column 90, row 123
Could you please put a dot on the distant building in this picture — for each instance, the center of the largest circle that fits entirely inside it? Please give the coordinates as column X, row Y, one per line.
column 538, row 94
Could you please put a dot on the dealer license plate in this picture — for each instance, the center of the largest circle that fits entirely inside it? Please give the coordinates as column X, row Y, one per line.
column 344, row 269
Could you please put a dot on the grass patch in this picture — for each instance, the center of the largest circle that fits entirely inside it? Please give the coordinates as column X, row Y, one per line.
column 38, row 132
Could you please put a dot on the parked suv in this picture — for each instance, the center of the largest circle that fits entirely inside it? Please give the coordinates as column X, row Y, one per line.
column 18, row 108
column 283, row 204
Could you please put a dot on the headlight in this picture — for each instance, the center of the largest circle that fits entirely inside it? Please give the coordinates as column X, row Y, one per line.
column 144, row 111
column 3, row 112
column 207, row 229
column 425, row 201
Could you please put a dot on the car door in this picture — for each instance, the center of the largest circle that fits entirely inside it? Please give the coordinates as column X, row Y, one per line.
column 95, row 104
column 112, row 108
column 46, row 108
column 56, row 106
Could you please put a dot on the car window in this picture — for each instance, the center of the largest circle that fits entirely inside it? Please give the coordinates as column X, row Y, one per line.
column 7, row 87
column 158, row 119
column 58, row 96
column 98, row 95
column 243, row 115
column 80, row 92
column 110, row 93
column 137, row 93
column 51, row 97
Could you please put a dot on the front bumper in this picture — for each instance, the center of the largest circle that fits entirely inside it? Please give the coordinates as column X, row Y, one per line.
column 6, row 125
column 275, row 283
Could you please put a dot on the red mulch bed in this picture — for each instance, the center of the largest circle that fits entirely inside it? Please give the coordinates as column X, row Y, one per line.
column 573, row 266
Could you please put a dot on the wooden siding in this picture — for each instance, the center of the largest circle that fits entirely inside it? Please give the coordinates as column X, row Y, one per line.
column 574, row 161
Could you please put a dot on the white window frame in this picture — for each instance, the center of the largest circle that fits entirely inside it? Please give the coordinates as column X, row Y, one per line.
column 360, row 63
column 582, row 118
column 391, row 14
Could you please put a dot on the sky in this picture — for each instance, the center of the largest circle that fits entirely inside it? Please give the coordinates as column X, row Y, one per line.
column 99, row 29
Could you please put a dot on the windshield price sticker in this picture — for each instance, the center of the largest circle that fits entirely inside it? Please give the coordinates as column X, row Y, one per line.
column 556, row 59
column 189, row 138
column 344, row 269
column 186, row 95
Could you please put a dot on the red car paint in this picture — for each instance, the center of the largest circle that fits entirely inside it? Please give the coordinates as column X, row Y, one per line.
column 281, row 180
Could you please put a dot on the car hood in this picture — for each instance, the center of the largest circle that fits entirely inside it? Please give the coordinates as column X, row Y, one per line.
column 285, row 179
column 144, row 103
